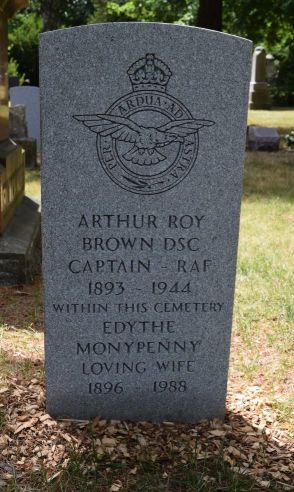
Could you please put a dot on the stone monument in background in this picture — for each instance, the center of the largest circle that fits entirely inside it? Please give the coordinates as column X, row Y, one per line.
column 19, row 216
column 259, row 95
column 11, row 155
column 143, row 145
column 30, row 97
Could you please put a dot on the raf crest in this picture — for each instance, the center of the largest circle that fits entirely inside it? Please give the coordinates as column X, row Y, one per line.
column 149, row 73
column 147, row 141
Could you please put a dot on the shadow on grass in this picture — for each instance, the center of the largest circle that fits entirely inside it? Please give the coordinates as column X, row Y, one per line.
column 88, row 471
column 152, row 477
column 266, row 174
column 21, row 306
column 173, row 458
column 269, row 174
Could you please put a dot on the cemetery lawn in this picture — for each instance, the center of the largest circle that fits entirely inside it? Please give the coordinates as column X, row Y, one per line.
column 280, row 118
column 251, row 451
column 32, row 184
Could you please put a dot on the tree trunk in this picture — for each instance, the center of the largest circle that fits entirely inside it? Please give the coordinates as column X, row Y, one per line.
column 210, row 14
column 50, row 10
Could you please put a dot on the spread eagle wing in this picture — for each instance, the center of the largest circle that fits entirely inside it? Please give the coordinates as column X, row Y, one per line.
column 183, row 128
column 106, row 125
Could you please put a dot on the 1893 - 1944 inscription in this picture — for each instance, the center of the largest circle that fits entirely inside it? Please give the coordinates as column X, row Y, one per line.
column 139, row 242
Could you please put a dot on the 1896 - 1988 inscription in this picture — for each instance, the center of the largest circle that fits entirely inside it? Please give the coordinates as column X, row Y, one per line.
column 142, row 164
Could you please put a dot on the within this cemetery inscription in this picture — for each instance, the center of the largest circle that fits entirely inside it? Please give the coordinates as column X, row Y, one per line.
column 143, row 143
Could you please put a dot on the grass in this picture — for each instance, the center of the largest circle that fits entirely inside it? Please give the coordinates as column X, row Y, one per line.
column 150, row 477
column 28, row 343
column 264, row 311
column 32, row 185
column 281, row 118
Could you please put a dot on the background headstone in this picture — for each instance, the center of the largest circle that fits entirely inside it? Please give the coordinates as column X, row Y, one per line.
column 263, row 138
column 17, row 121
column 11, row 156
column 19, row 216
column 30, row 97
column 259, row 95
column 29, row 145
column 270, row 67
column 20, row 245
column 19, row 134
column 143, row 143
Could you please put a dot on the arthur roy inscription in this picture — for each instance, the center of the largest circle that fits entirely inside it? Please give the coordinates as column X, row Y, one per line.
column 140, row 220
column 137, row 244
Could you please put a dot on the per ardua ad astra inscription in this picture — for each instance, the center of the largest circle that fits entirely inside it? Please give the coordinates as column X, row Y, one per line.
column 143, row 143
column 142, row 154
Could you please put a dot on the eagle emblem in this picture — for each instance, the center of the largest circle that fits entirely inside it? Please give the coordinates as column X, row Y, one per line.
column 147, row 141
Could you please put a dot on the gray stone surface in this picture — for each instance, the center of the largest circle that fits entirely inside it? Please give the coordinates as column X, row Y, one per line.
column 143, row 142
column 30, row 97
column 263, row 138
column 259, row 94
column 270, row 67
column 13, row 81
column 30, row 147
column 17, row 121
column 20, row 245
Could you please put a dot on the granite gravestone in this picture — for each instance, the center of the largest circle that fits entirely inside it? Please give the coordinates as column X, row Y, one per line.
column 143, row 142
column 263, row 138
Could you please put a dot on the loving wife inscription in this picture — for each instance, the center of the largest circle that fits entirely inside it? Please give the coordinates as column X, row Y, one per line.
column 140, row 220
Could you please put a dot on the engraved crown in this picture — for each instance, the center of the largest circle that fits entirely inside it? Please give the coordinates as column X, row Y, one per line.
column 149, row 73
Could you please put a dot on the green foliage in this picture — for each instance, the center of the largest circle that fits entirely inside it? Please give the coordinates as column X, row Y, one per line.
column 13, row 69
column 268, row 23
column 63, row 13
column 23, row 35
column 169, row 11
column 67, row 13
column 74, row 12
column 260, row 21
column 25, row 27
column 283, row 82
column 290, row 139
